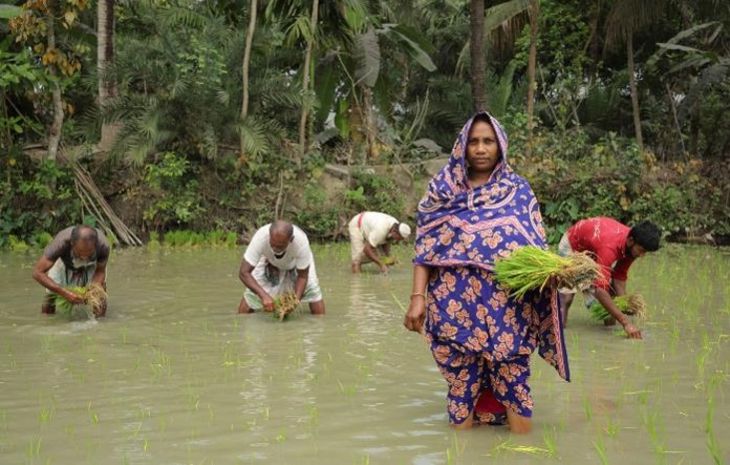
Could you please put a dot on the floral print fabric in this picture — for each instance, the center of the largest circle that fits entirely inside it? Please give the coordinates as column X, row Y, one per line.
column 480, row 337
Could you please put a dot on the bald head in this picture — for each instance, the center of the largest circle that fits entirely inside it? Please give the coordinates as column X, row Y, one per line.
column 281, row 228
column 84, row 240
column 84, row 233
column 281, row 233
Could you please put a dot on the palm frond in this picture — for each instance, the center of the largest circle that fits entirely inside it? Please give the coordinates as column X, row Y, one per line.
column 367, row 58
column 255, row 140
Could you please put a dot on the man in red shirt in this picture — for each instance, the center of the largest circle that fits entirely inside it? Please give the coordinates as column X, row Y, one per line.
column 614, row 246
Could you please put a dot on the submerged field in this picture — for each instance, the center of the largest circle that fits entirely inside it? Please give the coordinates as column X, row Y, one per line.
column 174, row 376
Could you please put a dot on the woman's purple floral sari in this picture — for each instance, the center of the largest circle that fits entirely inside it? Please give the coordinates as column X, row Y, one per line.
column 470, row 318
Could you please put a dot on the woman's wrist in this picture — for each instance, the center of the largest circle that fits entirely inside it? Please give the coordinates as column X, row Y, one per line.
column 418, row 294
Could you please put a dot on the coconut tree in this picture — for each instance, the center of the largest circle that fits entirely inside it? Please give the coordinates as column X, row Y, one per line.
column 493, row 28
column 478, row 61
column 306, row 73
column 531, row 66
column 105, row 62
column 253, row 6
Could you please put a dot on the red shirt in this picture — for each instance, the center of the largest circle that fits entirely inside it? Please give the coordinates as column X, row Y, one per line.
column 605, row 238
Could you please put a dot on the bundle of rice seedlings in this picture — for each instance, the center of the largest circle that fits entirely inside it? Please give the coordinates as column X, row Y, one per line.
column 65, row 307
column 633, row 304
column 388, row 260
column 284, row 305
column 94, row 296
column 531, row 267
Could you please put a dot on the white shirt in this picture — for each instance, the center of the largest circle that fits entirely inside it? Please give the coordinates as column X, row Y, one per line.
column 376, row 226
column 298, row 254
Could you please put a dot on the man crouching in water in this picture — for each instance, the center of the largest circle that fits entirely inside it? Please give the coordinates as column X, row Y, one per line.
column 278, row 260
column 77, row 256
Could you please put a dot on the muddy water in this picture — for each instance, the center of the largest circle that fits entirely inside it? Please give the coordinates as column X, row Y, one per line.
column 174, row 376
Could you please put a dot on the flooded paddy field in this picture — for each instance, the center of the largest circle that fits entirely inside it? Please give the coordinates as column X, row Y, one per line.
column 174, row 376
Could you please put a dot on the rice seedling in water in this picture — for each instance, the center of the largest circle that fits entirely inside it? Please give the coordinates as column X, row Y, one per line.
column 712, row 445
column 601, row 451
column 530, row 267
column 587, row 408
column 34, row 448
column 509, row 446
column 612, row 428
column 284, row 305
column 633, row 304
column 549, row 437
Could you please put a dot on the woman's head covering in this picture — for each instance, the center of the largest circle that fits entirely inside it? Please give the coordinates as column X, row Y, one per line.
column 458, row 225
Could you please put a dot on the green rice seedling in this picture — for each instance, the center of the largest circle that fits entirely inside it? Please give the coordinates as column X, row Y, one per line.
column 601, row 451
column 65, row 307
column 612, row 428
column 530, row 267
column 549, row 438
column 45, row 415
column 587, row 408
column 455, row 450
column 702, row 357
column 633, row 304
column 34, row 448
column 284, row 305
column 712, row 443
column 388, row 260
column 508, row 446
column 712, row 446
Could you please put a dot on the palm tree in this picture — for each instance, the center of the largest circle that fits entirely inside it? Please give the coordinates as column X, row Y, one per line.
column 531, row 66
column 494, row 28
column 245, row 68
column 478, row 62
column 105, row 61
column 307, row 72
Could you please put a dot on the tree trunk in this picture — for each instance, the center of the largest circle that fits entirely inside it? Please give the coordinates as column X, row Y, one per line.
column 105, row 59
column 246, row 64
column 478, row 59
column 634, row 92
column 305, row 81
column 54, row 133
column 531, row 66
column 371, row 130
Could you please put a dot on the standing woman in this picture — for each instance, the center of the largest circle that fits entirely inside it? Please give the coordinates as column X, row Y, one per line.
column 475, row 211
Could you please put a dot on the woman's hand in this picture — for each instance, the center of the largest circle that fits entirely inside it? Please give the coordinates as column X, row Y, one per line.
column 416, row 314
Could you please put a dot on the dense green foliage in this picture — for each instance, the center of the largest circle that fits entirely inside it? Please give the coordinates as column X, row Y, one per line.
column 390, row 85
